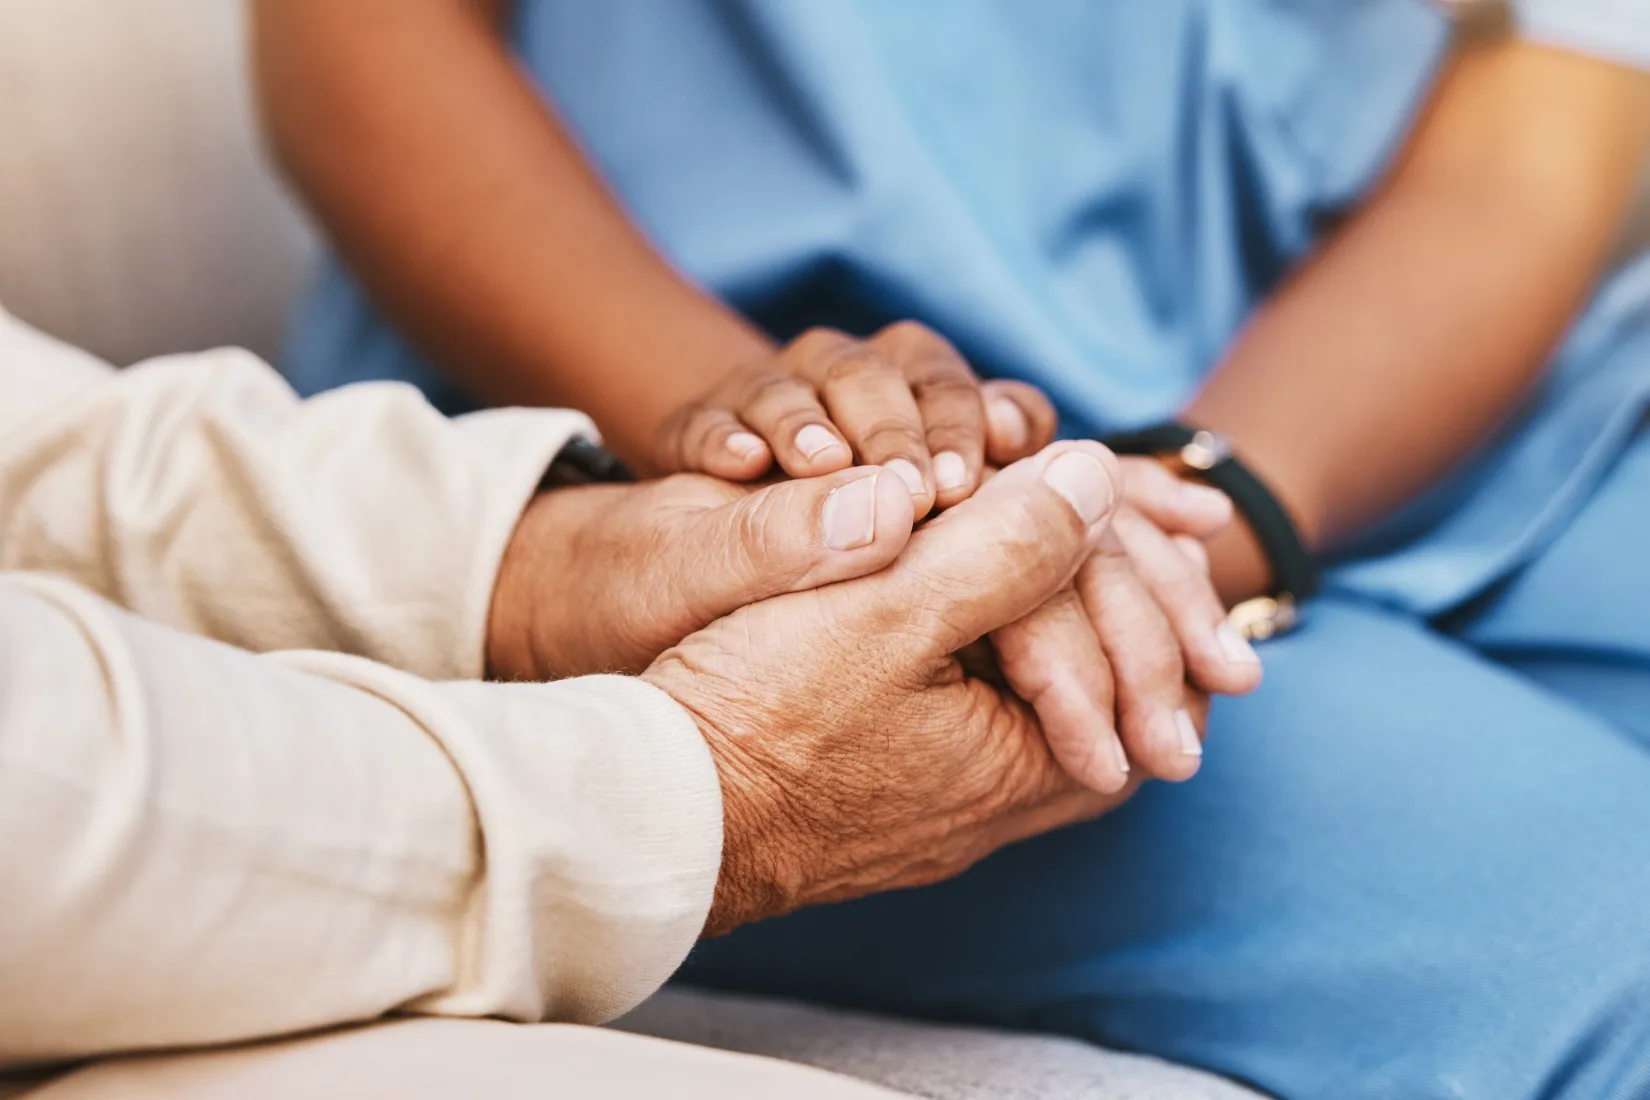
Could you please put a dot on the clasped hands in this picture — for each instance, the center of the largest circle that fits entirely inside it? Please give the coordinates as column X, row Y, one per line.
column 886, row 702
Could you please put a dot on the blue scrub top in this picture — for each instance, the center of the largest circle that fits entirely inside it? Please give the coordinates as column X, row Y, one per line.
column 1091, row 195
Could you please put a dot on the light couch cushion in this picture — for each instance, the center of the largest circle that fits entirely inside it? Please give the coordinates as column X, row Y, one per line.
column 136, row 215
column 932, row 1060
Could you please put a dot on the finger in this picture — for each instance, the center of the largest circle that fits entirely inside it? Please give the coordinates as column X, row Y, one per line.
column 1020, row 420
column 791, row 536
column 1197, row 704
column 1053, row 661
column 948, row 400
column 1152, row 705
column 1057, row 812
column 1194, row 549
column 868, row 397
column 710, row 439
column 1216, row 658
column 787, row 414
column 1178, row 506
column 1000, row 554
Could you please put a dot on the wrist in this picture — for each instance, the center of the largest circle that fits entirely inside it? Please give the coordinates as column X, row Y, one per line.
column 1266, row 551
column 1238, row 564
column 574, row 492
column 510, row 618
column 761, row 858
column 537, row 586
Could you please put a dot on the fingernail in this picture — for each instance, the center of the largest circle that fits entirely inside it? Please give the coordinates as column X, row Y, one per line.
column 909, row 474
column 746, row 445
column 851, row 514
column 1190, row 743
column 814, row 440
column 950, row 471
column 1237, row 649
column 1008, row 423
column 1083, row 482
column 1122, row 757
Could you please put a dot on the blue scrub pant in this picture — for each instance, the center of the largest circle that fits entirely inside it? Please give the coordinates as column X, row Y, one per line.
column 1416, row 864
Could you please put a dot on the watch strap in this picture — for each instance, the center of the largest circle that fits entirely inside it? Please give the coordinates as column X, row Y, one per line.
column 1206, row 457
column 583, row 462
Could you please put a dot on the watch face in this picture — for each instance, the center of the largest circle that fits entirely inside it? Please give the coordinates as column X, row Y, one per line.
column 1264, row 617
column 1206, row 450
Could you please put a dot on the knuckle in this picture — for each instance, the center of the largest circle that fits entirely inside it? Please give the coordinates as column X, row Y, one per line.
column 951, row 387
column 670, row 446
column 1110, row 563
column 1031, row 538
column 916, row 339
column 702, row 426
column 922, row 618
column 892, row 436
column 1172, row 573
column 768, row 384
column 1192, row 594
column 762, row 552
column 931, row 361
column 950, row 434
column 858, row 365
column 740, row 379
column 1156, row 666
column 820, row 340
column 941, row 367
column 910, row 332
column 951, row 405
column 1178, row 585
column 774, row 394
column 1023, row 776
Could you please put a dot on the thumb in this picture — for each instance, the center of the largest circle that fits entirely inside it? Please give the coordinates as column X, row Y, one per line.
column 794, row 536
column 1002, row 553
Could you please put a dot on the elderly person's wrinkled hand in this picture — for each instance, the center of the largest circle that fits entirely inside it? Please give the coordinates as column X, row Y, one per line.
column 856, row 752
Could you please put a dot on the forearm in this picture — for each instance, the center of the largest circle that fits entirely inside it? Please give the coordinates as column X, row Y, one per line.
column 200, row 846
column 1422, row 325
column 471, row 215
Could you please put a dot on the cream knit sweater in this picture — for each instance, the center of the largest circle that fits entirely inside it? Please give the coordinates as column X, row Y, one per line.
column 205, row 840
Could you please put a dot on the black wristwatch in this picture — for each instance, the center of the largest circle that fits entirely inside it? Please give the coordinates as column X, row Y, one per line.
column 581, row 462
column 1207, row 457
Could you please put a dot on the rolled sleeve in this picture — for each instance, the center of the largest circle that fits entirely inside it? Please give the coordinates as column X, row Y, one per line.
column 200, row 492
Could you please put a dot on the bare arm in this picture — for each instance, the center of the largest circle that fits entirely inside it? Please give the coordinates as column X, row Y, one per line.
column 1418, row 329
column 467, row 208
